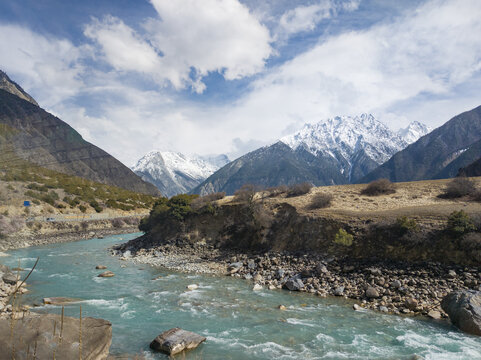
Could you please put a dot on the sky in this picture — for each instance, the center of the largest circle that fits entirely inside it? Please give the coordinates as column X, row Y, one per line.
column 228, row 76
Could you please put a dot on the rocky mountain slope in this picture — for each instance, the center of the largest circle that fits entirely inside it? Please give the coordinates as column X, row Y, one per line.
column 30, row 133
column 174, row 173
column 12, row 87
column 413, row 132
column 440, row 154
column 334, row 151
column 473, row 169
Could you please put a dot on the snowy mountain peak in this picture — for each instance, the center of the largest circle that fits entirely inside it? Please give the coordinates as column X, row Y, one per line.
column 413, row 132
column 174, row 172
column 342, row 137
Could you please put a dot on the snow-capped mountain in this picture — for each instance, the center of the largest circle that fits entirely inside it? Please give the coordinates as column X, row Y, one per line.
column 174, row 173
column 413, row 132
column 348, row 140
column 338, row 150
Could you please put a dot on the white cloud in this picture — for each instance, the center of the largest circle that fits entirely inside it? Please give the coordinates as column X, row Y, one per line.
column 307, row 17
column 190, row 39
column 49, row 67
column 122, row 47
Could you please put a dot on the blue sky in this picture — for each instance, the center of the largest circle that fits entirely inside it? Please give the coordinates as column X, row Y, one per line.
column 228, row 76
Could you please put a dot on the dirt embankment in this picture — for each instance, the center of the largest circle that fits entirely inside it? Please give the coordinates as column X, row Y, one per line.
column 355, row 226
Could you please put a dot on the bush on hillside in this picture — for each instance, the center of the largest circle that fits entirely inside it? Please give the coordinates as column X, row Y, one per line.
column 379, row 187
column 246, row 193
column 343, row 238
column 406, row 225
column 459, row 223
column 459, row 187
column 117, row 223
column 299, row 189
column 321, row 201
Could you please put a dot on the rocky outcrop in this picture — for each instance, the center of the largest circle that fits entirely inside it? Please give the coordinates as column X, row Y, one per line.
column 40, row 334
column 176, row 340
column 464, row 310
column 13, row 88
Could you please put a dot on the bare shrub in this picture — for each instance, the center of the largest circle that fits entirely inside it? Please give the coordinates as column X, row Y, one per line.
column 321, row 201
column 459, row 187
column 117, row 223
column 277, row 190
column 202, row 201
column 379, row 187
column 471, row 241
column 299, row 189
column 84, row 225
column 246, row 193
column 476, row 196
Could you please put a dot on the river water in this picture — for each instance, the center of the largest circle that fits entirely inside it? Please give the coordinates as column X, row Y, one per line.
column 239, row 323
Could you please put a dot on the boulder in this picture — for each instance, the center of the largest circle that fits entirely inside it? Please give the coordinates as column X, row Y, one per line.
column 257, row 287
column 280, row 273
column 282, row 307
column 192, row 287
column 251, row 264
column 257, row 278
column 10, row 278
column 101, row 267
column 372, row 293
column 37, row 330
column 234, row 267
column 176, row 340
column 411, row 303
column 321, row 269
column 396, row 284
column 434, row 314
column 464, row 310
column 294, row 284
column 357, row 307
column 339, row 291
column 106, row 274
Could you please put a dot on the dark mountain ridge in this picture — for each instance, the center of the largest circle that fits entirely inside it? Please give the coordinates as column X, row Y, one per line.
column 30, row 133
column 439, row 154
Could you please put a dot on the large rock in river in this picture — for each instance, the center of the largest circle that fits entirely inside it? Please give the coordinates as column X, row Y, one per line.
column 39, row 329
column 176, row 340
column 464, row 310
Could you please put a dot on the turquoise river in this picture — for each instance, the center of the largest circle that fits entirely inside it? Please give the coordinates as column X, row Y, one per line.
column 239, row 323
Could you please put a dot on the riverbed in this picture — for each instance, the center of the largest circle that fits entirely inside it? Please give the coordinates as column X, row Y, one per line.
column 142, row 301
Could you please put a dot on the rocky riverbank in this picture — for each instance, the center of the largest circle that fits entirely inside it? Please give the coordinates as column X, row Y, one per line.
column 387, row 286
column 8, row 285
column 17, row 241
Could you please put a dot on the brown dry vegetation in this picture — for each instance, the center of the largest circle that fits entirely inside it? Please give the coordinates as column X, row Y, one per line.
column 418, row 199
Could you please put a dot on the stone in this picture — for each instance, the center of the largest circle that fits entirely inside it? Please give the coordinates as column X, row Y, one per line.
column 127, row 254
column 192, row 287
column 282, row 307
column 383, row 309
column 464, row 310
column 451, row 274
column 294, row 284
column 356, row 307
column 36, row 330
column 234, row 267
column 257, row 287
column 321, row 269
column 101, row 267
column 434, row 314
column 411, row 303
column 396, row 284
column 257, row 278
column 106, row 274
column 272, row 287
column 251, row 264
column 59, row 300
column 176, row 340
column 10, row 278
column 372, row 293
column 280, row 273
column 339, row 291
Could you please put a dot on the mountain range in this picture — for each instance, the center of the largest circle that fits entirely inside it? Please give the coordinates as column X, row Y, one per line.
column 174, row 173
column 338, row 150
column 439, row 154
column 30, row 133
